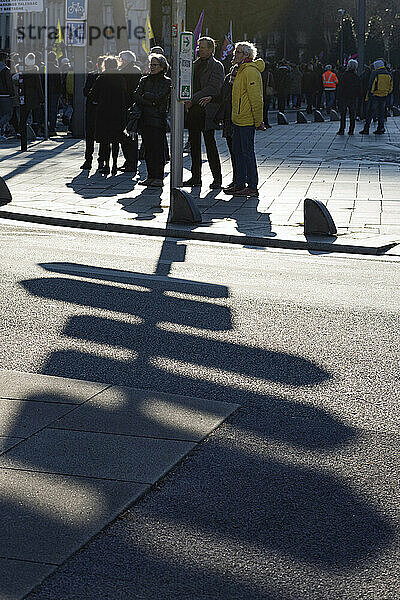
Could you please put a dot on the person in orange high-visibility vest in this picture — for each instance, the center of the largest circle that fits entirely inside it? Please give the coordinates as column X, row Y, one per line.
column 329, row 82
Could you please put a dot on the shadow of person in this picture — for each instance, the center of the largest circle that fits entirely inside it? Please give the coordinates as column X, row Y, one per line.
column 87, row 185
column 146, row 205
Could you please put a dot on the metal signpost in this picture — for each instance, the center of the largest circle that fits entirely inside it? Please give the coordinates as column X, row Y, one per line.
column 76, row 36
column 186, row 54
column 180, row 80
column 361, row 36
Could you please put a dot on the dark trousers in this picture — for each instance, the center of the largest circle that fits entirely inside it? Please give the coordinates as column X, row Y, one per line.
column 153, row 140
column 376, row 109
column 90, row 132
column 245, row 157
column 310, row 98
column 53, row 110
column 267, row 103
column 130, row 150
column 233, row 160
column 211, row 150
column 282, row 103
column 108, row 148
column 351, row 106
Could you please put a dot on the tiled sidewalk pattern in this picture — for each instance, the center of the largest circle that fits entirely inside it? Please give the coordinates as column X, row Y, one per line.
column 74, row 455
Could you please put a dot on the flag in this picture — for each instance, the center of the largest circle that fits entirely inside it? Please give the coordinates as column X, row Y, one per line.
column 59, row 45
column 197, row 31
column 227, row 47
column 149, row 35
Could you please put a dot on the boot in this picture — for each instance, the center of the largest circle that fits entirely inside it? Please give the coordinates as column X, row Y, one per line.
column 365, row 131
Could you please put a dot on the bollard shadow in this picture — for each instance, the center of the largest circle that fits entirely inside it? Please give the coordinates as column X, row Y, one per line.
column 171, row 332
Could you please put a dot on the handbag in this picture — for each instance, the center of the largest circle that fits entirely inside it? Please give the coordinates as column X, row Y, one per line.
column 134, row 114
column 269, row 90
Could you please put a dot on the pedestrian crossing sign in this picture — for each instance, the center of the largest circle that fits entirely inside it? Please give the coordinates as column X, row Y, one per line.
column 75, row 34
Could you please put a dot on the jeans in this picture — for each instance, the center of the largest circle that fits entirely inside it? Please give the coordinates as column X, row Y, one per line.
column 376, row 109
column 351, row 105
column 329, row 98
column 296, row 100
column 245, row 157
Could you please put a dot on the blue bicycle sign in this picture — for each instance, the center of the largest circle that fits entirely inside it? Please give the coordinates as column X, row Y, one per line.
column 76, row 10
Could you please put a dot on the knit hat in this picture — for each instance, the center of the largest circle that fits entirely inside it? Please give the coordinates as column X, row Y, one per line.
column 30, row 60
column 352, row 65
column 378, row 64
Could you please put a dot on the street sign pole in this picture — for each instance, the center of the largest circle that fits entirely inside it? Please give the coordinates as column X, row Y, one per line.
column 361, row 36
column 46, row 79
column 178, row 14
column 76, row 22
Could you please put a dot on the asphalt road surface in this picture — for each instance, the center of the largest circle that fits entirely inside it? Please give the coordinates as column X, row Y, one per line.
column 296, row 496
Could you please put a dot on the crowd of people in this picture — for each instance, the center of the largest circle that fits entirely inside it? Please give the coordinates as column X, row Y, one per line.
column 320, row 87
column 124, row 101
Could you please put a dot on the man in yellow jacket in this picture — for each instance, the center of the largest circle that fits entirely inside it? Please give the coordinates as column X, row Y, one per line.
column 247, row 116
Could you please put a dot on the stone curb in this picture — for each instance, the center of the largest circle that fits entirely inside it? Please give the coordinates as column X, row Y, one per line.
column 182, row 231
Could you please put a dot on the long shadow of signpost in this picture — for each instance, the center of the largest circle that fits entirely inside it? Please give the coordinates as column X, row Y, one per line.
column 303, row 513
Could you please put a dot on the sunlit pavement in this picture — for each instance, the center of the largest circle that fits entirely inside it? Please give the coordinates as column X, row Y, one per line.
column 74, row 455
column 357, row 177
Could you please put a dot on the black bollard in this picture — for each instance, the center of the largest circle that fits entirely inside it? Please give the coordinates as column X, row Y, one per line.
column 317, row 219
column 183, row 208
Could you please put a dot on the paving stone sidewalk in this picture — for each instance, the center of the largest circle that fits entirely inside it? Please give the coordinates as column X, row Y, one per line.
column 357, row 177
column 74, row 455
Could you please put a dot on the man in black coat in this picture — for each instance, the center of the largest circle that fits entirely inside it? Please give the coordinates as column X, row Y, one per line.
column 309, row 86
column 348, row 92
column 208, row 77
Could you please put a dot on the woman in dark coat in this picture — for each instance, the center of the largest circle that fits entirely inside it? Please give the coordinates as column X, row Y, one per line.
column 152, row 97
column 109, row 94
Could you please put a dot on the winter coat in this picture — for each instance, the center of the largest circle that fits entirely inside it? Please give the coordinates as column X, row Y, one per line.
column 295, row 82
column 329, row 80
column 211, row 81
column 381, row 83
column 33, row 91
column 268, row 82
column 310, row 83
column 90, row 107
column 152, row 96
column 348, row 88
column 110, row 95
column 224, row 112
column 132, row 75
column 54, row 80
column 247, row 94
column 6, row 84
column 282, row 81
